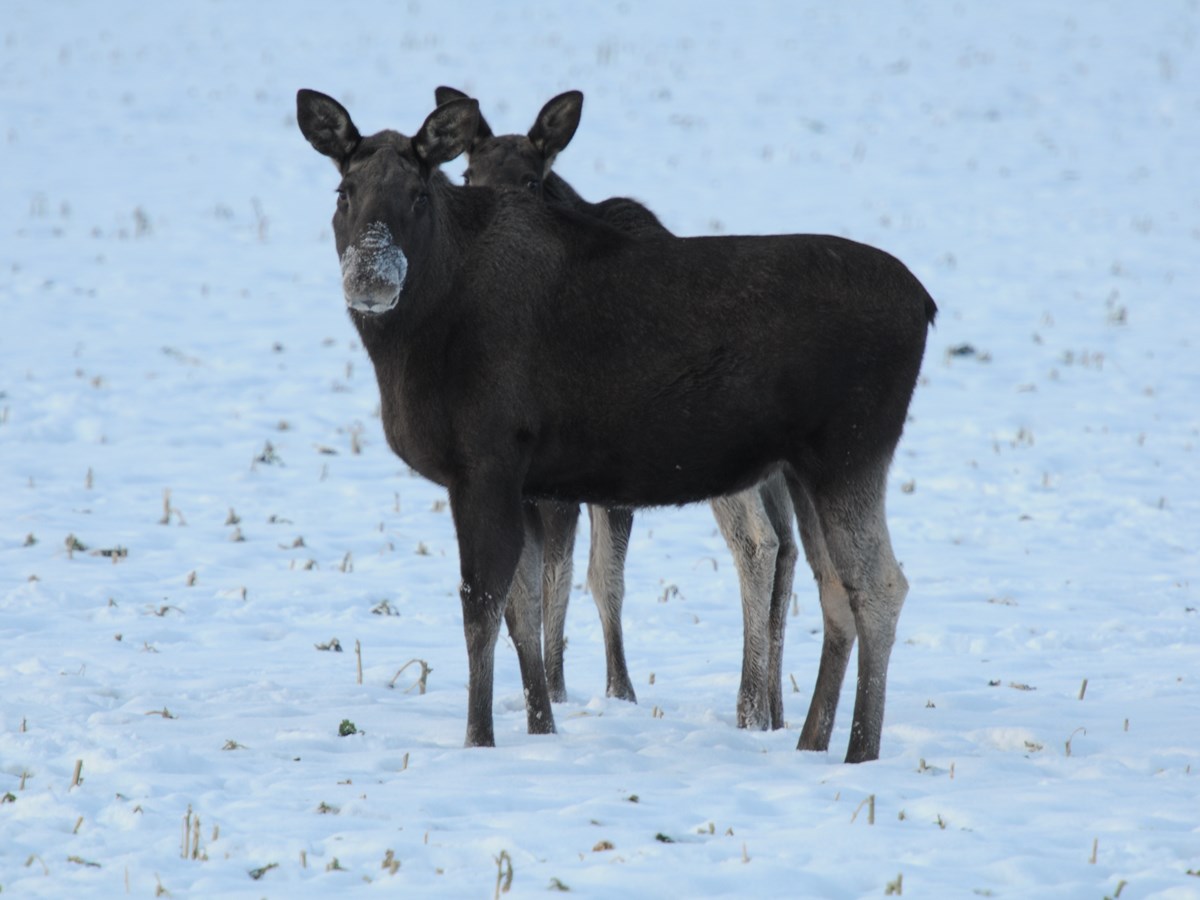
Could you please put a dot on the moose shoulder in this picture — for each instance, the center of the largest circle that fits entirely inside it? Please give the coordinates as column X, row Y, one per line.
column 525, row 351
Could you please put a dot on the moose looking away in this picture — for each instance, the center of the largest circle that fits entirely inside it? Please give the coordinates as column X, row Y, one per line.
column 756, row 523
column 524, row 351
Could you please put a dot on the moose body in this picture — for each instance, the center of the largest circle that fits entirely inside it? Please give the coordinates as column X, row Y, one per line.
column 525, row 351
column 507, row 374
column 756, row 523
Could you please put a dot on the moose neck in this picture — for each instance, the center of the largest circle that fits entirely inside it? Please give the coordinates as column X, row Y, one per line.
column 556, row 189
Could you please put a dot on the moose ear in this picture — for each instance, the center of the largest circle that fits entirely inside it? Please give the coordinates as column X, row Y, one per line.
column 556, row 124
column 445, row 94
column 448, row 132
column 326, row 124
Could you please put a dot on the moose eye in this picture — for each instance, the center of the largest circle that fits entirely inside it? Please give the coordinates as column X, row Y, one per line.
column 421, row 201
column 532, row 184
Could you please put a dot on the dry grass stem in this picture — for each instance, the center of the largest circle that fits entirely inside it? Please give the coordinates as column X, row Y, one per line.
column 869, row 802
column 258, row 873
column 420, row 683
column 504, row 874
column 169, row 510
column 32, row 857
column 1080, row 730
column 187, row 830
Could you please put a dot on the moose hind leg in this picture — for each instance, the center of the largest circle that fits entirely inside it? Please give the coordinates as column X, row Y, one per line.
column 752, row 540
column 856, row 534
column 779, row 509
column 523, row 614
column 839, row 629
column 559, row 523
column 611, row 528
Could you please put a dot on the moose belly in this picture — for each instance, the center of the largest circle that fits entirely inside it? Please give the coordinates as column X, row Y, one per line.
column 651, row 467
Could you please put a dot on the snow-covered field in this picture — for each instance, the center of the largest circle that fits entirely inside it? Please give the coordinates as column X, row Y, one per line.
column 171, row 320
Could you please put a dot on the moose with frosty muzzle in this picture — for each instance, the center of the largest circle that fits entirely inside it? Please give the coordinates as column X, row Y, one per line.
column 526, row 352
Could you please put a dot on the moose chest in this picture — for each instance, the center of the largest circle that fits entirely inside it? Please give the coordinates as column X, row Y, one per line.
column 412, row 415
column 447, row 404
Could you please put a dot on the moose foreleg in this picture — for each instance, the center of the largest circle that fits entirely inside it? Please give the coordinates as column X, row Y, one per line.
column 490, row 527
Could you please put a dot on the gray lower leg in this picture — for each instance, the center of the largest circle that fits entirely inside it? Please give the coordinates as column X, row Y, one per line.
column 611, row 528
column 481, row 626
column 779, row 509
column 559, row 523
column 488, row 520
column 860, row 548
column 836, row 645
column 839, row 629
column 752, row 541
column 876, row 613
column 523, row 614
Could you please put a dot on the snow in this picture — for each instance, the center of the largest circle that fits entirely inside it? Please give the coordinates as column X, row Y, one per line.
column 173, row 322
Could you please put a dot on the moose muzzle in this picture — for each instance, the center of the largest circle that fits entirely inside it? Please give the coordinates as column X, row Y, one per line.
column 373, row 271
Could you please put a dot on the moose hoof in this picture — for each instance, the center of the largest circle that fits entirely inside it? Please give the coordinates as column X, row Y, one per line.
column 753, row 718
column 754, row 723
column 622, row 692
column 542, row 723
column 480, row 738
